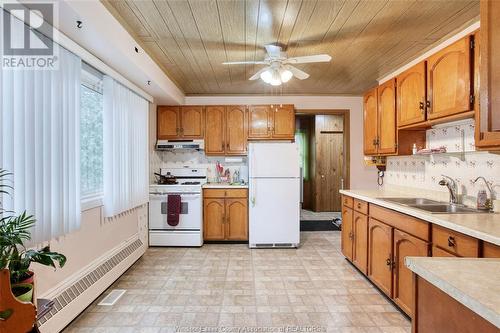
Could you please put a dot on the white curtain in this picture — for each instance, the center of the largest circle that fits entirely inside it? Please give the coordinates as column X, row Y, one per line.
column 125, row 148
column 40, row 144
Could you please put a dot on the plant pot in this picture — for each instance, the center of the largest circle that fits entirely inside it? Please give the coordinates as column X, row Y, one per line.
column 30, row 279
column 23, row 292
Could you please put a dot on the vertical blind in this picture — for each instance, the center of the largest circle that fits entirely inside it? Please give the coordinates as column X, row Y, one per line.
column 40, row 144
column 125, row 148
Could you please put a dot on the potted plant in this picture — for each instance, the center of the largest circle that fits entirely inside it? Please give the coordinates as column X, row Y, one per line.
column 14, row 232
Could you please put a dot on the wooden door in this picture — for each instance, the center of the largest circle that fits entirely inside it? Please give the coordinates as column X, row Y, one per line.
column 387, row 117
column 346, row 232
column 168, row 122
column 236, row 130
column 360, row 242
column 370, row 121
column 329, row 162
column 488, row 64
column 284, row 122
column 215, row 135
column 405, row 246
column 192, row 122
column 260, row 119
column 411, row 95
column 380, row 255
column 213, row 219
column 449, row 80
column 237, row 219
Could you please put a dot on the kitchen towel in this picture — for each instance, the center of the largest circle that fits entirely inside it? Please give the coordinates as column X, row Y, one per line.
column 174, row 209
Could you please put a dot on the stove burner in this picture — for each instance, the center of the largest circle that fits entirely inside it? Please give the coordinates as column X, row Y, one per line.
column 191, row 183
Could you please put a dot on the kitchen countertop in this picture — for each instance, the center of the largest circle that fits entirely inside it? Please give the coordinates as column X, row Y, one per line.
column 223, row 185
column 473, row 282
column 482, row 226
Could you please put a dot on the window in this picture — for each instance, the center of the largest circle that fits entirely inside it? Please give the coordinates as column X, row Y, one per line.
column 91, row 134
column 302, row 142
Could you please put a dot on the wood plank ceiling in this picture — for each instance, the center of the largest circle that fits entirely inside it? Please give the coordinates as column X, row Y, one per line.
column 367, row 39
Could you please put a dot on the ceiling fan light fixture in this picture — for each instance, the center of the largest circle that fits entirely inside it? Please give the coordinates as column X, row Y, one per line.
column 285, row 75
column 275, row 78
column 266, row 76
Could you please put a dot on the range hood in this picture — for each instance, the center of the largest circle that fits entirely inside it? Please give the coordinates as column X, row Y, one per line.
column 180, row 145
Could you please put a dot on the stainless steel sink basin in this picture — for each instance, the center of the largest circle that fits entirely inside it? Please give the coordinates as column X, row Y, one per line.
column 448, row 209
column 412, row 201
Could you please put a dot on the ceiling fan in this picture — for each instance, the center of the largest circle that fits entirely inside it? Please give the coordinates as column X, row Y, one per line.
column 279, row 67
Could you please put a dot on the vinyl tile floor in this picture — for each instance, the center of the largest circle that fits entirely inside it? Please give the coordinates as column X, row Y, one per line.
column 309, row 215
column 230, row 288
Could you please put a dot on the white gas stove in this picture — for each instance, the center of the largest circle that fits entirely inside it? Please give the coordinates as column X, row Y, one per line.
column 189, row 231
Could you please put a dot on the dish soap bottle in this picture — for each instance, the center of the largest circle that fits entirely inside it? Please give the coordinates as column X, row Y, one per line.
column 482, row 198
column 414, row 149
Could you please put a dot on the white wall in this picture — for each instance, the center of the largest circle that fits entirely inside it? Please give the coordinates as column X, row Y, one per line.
column 362, row 177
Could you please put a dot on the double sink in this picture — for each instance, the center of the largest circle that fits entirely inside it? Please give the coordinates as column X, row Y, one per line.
column 434, row 207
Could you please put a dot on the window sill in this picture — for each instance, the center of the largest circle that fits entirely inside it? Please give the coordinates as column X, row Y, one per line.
column 88, row 203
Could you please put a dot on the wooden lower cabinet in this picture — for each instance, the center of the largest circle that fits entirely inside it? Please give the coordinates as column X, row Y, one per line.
column 360, row 241
column 380, row 255
column 346, row 233
column 225, row 214
column 435, row 311
column 405, row 245
column 437, row 252
column 491, row 250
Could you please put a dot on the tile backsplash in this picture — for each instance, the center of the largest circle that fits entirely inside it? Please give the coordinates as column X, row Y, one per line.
column 424, row 172
column 165, row 159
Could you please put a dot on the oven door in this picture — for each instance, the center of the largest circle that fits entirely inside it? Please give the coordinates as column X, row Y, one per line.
column 190, row 218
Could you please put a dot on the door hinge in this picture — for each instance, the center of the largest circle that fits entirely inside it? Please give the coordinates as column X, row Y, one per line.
column 472, row 43
column 396, row 145
column 471, row 99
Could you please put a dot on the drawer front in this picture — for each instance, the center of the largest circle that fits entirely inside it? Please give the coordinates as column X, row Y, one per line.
column 437, row 252
column 225, row 193
column 361, row 206
column 491, row 250
column 406, row 223
column 455, row 242
column 347, row 201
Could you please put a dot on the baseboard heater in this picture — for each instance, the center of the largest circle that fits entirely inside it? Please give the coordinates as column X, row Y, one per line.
column 79, row 290
column 274, row 245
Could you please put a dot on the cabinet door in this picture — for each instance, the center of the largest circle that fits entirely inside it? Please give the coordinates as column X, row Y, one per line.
column 192, row 122
column 449, row 80
column 346, row 233
column 405, row 246
column 387, row 117
column 236, row 130
column 214, row 130
column 213, row 219
column 360, row 246
column 168, row 122
column 284, row 122
column 370, row 122
column 237, row 219
column 488, row 114
column 411, row 95
column 259, row 122
column 380, row 255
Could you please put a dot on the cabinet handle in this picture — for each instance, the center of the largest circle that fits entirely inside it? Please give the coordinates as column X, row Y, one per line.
column 177, row 130
column 227, row 145
column 388, row 262
column 225, row 193
column 451, row 241
column 428, row 105
column 224, row 219
column 182, row 130
column 421, row 107
column 359, row 205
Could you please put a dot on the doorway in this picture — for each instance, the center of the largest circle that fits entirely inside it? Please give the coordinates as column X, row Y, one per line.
column 322, row 136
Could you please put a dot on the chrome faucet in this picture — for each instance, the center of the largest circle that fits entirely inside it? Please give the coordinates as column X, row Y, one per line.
column 452, row 187
column 489, row 202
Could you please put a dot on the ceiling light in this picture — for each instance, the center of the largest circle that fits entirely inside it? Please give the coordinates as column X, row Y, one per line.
column 275, row 78
column 266, row 76
column 286, row 75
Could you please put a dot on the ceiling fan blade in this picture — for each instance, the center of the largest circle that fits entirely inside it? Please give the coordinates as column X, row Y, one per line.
column 257, row 75
column 244, row 63
column 301, row 75
column 273, row 51
column 308, row 59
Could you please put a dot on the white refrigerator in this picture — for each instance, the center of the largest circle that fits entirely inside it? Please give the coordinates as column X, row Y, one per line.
column 274, row 194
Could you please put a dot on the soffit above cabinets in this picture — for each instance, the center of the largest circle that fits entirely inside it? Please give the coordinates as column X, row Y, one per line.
column 367, row 39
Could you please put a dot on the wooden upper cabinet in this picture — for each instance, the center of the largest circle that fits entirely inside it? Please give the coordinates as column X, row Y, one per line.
column 387, row 118
column 236, row 130
column 449, row 80
column 405, row 246
column 488, row 111
column 168, row 122
column 214, row 219
column 370, row 122
column 380, row 255
column 215, row 136
column 192, row 122
column 411, row 95
column 346, row 232
column 260, row 119
column 236, row 219
column 284, row 122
